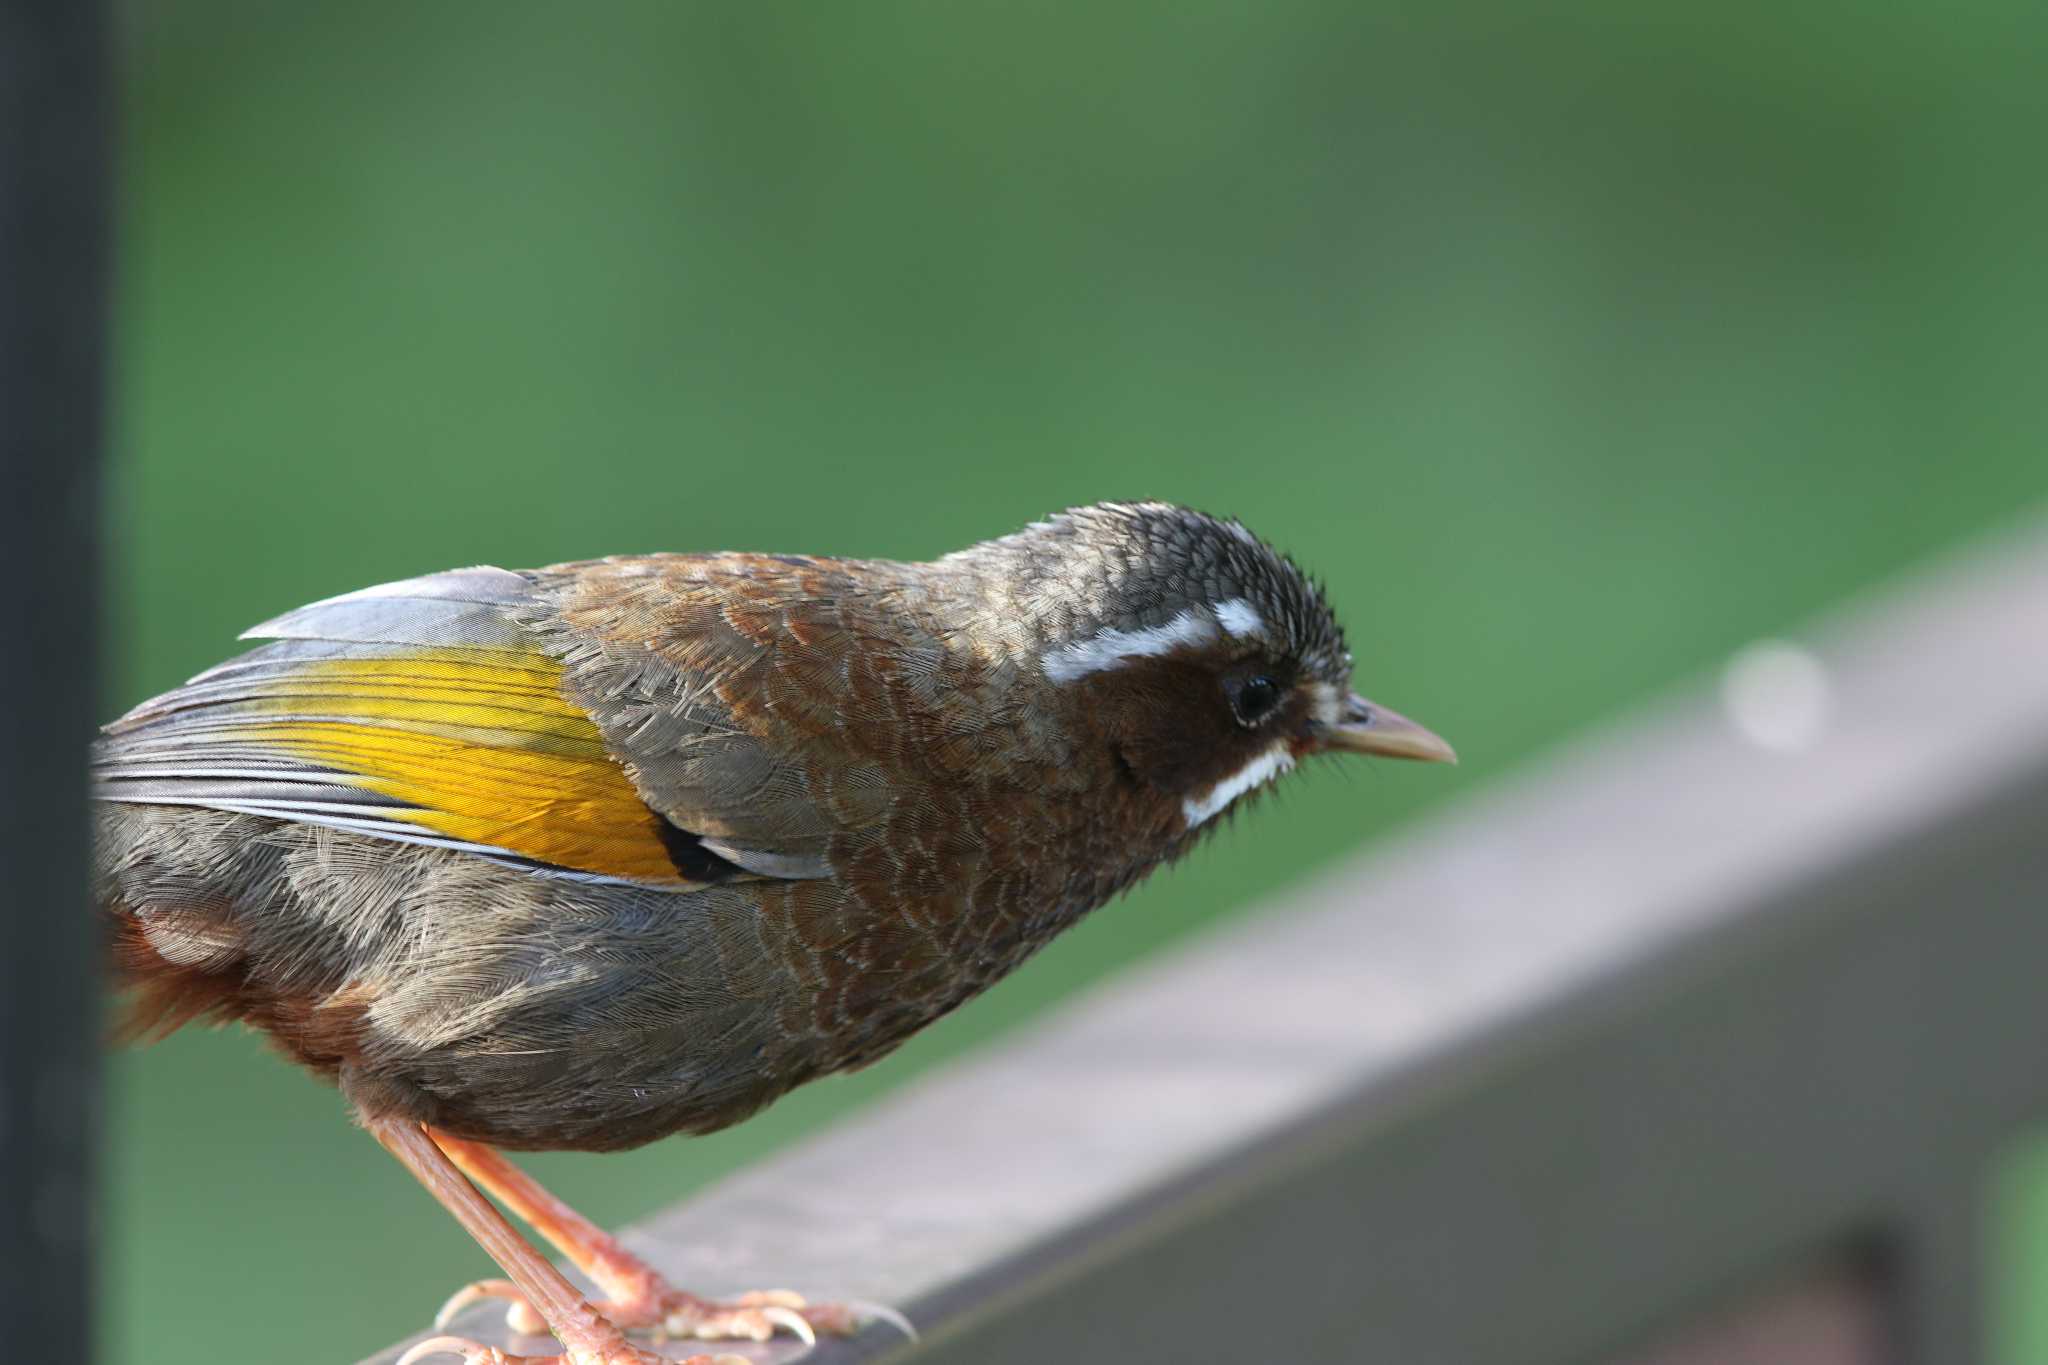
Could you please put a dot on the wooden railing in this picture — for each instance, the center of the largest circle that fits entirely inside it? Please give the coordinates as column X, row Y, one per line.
column 1691, row 1045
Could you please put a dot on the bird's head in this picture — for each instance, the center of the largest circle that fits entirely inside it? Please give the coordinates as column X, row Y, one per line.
column 1205, row 661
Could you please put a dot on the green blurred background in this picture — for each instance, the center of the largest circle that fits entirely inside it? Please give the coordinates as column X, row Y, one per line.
column 1574, row 349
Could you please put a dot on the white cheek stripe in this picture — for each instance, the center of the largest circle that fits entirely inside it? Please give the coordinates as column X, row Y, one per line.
column 1239, row 617
column 1108, row 648
column 1262, row 769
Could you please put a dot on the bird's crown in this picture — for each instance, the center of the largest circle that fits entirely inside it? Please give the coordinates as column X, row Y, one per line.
column 1116, row 580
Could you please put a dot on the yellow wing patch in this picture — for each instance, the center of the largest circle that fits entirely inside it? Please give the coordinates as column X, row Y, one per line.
column 482, row 747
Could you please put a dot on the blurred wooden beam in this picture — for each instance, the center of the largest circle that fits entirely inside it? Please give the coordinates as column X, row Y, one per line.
column 54, row 194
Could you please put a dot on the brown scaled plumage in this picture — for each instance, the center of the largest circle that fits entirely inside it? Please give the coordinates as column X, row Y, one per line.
column 584, row 856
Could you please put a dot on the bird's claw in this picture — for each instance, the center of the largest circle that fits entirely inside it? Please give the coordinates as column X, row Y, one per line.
column 476, row 1292
column 672, row 1314
column 748, row 1317
column 476, row 1353
column 472, row 1352
column 859, row 1313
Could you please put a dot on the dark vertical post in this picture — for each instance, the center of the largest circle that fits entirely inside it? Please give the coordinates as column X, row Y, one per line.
column 54, row 171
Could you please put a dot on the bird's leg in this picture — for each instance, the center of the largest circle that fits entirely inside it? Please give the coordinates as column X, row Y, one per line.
column 587, row 1337
column 639, row 1296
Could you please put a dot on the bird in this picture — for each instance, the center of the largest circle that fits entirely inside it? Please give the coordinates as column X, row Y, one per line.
column 585, row 856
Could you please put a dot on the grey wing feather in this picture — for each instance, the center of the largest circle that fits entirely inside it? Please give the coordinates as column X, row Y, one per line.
column 459, row 607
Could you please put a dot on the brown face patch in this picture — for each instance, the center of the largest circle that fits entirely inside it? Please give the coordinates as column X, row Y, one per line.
column 1171, row 723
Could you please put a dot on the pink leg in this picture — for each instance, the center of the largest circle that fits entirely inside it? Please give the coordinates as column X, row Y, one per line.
column 639, row 1296
column 586, row 1336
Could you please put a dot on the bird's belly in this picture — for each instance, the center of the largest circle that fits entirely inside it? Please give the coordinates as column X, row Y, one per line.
column 526, row 1010
column 522, row 1010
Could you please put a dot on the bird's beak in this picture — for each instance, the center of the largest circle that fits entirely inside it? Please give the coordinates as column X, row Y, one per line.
column 1369, row 728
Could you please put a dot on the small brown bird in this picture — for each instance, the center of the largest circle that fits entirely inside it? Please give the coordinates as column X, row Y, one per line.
column 584, row 856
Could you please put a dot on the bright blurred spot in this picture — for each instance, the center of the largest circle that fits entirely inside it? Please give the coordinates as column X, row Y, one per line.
column 1777, row 696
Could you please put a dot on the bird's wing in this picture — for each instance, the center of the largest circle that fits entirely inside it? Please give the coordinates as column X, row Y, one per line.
column 421, row 711
column 759, row 700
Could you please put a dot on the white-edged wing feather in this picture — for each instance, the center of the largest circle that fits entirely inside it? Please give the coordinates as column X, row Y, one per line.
column 419, row 711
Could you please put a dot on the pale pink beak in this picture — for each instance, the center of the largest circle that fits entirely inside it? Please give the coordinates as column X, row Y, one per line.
column 1369, row 728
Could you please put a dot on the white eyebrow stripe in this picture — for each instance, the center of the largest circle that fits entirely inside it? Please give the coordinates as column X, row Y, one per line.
column 1239, row 617
column 1110, row 647
column 1259, row 771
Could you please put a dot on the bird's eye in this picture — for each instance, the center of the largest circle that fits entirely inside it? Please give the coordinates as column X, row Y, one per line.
column 1256, row 697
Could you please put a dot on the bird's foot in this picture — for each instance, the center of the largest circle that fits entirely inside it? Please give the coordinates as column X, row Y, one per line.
column 648, row 1303
column 476, row 1353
